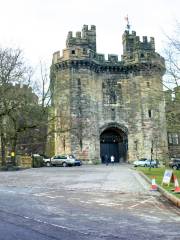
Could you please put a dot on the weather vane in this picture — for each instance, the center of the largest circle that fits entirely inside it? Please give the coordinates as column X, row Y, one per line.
column 128, row 25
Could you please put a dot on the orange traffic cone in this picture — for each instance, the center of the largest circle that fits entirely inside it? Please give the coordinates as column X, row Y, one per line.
column 153, row 184
column 177, row 188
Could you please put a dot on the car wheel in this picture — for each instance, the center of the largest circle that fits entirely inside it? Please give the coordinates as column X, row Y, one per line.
column 175, row 167
column 64, row 164
column 145, row 165
column 48, row 164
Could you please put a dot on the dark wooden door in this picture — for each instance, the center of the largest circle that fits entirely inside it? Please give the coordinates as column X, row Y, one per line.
column 110, row 149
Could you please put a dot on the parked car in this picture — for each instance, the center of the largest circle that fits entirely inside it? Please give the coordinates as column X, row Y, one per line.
column 175, row 163
column 77, row 162
column 47, row 161
column 63, row 160
column 144, row 162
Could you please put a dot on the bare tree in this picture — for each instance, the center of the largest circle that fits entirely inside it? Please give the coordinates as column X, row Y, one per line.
column 172, row 85
column 172, row 57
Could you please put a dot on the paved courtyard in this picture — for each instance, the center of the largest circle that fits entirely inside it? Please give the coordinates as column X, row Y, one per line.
column 87, row 202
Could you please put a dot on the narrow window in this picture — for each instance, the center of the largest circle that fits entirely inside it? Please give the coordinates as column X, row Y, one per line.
column 73, row 51
column 170, row 138
column 136, row 145
column 79, row 82
column 112, row 97
column 64, row 143
column 148, row 55
column 131, row 57
column 150, row 113
column 148, row 84
column 84, row 51
column 113, row 114
column 80, row 143
column 175, row 139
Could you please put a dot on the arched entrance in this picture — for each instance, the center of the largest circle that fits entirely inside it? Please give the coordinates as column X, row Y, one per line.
column 113, row 141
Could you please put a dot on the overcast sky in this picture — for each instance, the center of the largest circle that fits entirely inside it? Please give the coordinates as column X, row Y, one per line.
column 40, row 27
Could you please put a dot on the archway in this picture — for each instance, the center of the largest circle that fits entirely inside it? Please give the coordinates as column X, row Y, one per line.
column 113, row 141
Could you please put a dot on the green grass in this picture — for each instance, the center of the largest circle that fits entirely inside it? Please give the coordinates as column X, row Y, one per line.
column 159, row 173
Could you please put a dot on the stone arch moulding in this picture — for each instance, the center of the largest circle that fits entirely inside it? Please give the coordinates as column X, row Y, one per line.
column 113, row 125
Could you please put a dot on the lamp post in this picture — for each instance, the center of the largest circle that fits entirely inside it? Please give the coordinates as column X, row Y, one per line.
column 151, row 153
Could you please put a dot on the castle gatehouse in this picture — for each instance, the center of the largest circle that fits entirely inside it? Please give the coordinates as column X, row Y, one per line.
column 107, row 106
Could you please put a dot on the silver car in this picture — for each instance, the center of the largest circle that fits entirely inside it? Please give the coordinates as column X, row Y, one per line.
column 62, row 160
column 143, row 162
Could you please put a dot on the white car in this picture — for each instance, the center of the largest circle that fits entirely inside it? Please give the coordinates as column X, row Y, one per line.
column 144, row 162
column 47, row 161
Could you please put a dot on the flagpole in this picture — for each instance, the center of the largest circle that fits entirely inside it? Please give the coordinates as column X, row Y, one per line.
column 127, row 25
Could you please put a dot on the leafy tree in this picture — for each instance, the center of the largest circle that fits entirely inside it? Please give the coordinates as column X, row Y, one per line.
column 22, row 119
column 13, row 70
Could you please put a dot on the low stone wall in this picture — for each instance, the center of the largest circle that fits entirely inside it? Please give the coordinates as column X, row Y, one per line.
column 24, row 161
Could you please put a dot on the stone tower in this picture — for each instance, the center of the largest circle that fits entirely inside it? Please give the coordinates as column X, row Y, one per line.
column 108, row 107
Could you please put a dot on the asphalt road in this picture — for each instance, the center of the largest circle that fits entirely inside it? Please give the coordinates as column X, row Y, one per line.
column 87, row 202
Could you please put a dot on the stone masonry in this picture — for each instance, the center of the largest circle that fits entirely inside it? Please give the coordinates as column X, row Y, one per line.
column 92, row 95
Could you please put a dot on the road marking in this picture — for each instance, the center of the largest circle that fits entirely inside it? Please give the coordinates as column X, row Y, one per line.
column 110, row 204
column 86, row 202
column 54, row 196
column 142, row 202
column 4, row 190
column 9, row 191
column 55, row 225
column 43, row 193
column 156, row 205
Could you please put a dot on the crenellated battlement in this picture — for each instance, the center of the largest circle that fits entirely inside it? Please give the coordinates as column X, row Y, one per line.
column 80, row 54
column 134, row 48
column 131, row 42
column 86, row 38
column 136, row 51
